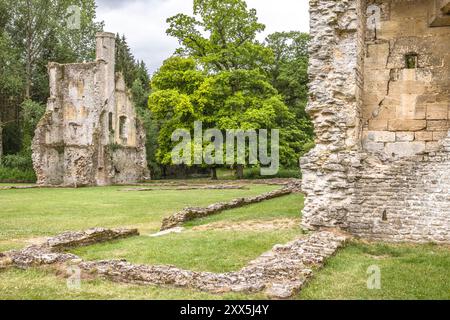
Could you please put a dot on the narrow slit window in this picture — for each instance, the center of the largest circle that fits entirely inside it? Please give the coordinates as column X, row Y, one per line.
column 411, row 60
column 110, row 122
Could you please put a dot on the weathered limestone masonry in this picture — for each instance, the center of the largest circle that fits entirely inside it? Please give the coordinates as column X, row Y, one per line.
column 380, row 101
column 52, row 250
column 90, row 134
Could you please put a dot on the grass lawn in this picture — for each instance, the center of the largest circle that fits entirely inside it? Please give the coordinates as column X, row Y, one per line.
column 32, row 213
column 407, row 271
column 215, row 251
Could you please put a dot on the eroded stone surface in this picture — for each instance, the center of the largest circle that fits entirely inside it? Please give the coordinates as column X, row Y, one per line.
column 90, row 134
column 362, row 93
column 51, row 251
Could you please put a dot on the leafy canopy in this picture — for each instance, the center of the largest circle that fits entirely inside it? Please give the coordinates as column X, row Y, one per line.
column 222, row 36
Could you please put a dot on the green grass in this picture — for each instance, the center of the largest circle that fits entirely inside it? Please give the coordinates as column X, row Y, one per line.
column 285, row 207
column 211, row 250
column 44, row 212
column 407, row 272
column 215, row 251
column 39, row 284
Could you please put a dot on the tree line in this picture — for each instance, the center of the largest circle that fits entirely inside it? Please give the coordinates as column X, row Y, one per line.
column 221, row 75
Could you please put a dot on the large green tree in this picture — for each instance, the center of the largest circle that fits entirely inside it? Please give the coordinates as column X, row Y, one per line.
column 249, row 85
column 238, row 99
column 172, row 101
column 221, row 35
column 11, row 77
column 289, row 75
column 43, row 29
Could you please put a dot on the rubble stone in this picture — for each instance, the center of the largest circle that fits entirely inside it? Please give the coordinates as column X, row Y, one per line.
column 370, row 71
column 90, row 133
column 281, row 272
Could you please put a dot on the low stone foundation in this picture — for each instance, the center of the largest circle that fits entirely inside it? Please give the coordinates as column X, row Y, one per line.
column 51, row 251
column 188, row 214
column 281, row 272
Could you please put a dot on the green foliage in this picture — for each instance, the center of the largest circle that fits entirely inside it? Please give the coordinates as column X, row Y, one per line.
column 138, row 81
column 231, row 42
column 171, row 101
column 289, row 75
column 17, row 161
column 32, row 113
column 225, row 78
column 16, row 175
column 32, row 33
column 255, row 173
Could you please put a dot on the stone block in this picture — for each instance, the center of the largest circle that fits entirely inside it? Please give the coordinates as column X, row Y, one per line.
column 404, row 149
column 378, row 125
column 437, row 125
column 432, row 146
column 406, row 125
column 374, row 147
column 404, row 136
column 381, row 136
column 424, row 136
column 439, row 135
column 437, row 112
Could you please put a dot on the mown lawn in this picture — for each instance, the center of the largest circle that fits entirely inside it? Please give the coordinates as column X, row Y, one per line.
column 407, row 271
column 32, row 213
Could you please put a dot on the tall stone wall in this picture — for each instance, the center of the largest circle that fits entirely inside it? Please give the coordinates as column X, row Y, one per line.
column 402, row 194
column 407, row 80
column 90, row 134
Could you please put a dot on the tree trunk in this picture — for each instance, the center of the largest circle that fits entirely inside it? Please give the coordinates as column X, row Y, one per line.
column 28, row 72
column 239, row 172
column 213, row 173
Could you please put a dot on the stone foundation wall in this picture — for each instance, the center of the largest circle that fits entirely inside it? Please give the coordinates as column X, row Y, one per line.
column 376, row 195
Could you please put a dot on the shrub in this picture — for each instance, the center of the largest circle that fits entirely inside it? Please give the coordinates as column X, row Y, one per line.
column 255, row 173
column 17, row 161
column 16, row 175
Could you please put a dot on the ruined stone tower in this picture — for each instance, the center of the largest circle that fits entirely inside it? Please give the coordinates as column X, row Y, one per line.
column 90, row 134
column 380, row 102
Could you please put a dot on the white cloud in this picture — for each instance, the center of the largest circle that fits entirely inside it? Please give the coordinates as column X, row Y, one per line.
column 144, row 22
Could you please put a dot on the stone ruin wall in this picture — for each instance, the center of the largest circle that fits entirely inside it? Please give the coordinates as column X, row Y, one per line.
column 90, row 134
column 380, row 104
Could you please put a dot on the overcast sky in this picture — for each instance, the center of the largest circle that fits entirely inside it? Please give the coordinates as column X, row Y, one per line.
column 144, row 22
